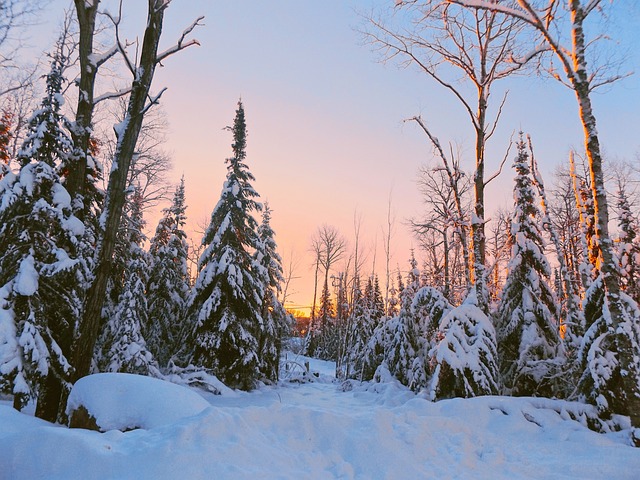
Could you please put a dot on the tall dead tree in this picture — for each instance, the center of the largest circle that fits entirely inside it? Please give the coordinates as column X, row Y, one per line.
column 127, row 132
column 450, row 44
column 555, row 21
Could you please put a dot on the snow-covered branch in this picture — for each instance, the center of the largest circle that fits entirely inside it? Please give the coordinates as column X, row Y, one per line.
column 495, row 7
column 181, row 45
column 98, row 60
column 109, row 95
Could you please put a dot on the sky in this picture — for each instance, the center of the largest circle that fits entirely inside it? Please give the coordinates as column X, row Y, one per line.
column 326, row 138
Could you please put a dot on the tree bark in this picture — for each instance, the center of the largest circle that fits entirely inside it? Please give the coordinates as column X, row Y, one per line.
column 81, row 131
column 477, row 223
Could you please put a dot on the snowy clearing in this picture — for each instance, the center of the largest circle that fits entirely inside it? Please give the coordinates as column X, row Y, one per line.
column 325, row 430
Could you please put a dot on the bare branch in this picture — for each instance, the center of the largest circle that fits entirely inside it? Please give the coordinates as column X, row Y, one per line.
column 504, row 160
column 153, row 101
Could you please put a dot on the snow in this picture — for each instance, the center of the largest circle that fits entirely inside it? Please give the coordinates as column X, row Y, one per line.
column 148, row 402
column 27, row 279
column 321, row 429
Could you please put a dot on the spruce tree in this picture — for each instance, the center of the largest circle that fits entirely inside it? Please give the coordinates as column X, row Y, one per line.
column 528, row 336
column 323, row 338
column 39, row 264
column 400, row 337
column 628, row 246
column 123, row 347
column 227, row 302
column 463, row 361
column 168, row 284
column 276, row 321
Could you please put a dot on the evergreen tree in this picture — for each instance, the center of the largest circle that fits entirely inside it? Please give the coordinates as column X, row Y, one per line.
column 324, row 337
column 366, row 316
column 276, row 321
column 227, row 302
column 39, row 267
column 397, row 343
column 628, row 247
column 528, row 337
column 5, row 140
column 463, row 361
column 168, row 285
column 123, row 347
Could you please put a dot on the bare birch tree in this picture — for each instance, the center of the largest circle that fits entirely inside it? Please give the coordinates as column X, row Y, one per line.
column 450, row 44
column 561, row 26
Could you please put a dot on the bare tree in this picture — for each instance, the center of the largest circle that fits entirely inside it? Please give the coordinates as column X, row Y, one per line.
column 450, row 44
column 150, row 163
column 14, row 16
column 498, row 248
column 444, row 197
column 387, row 235
column 142, row 70
column 328, row 247
column 561, row 28
column 290, row 269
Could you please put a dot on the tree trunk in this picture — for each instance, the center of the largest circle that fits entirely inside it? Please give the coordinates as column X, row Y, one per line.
column 609, row 269
column 477, row 223
column 127, row 138
column 81, row 131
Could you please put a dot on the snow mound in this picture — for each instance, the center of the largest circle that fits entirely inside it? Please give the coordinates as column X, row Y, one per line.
column 122, row 401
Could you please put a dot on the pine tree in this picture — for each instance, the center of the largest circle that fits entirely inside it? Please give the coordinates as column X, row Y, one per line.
column 226, row 306
column 39, row 265
column 528, row 337
column 168, row 285
column 123, row 347
column 277, row 322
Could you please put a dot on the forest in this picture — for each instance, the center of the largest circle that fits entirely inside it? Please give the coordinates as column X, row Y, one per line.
column 536, row 299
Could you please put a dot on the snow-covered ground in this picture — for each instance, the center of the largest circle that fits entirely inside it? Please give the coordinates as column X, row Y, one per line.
column 325, row 430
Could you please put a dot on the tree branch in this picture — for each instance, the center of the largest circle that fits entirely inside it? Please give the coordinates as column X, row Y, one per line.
column 180, row 45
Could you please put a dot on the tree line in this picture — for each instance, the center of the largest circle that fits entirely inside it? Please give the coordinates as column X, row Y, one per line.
column 79, row 291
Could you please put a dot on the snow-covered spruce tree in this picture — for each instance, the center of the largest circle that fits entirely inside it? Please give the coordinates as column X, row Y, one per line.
column 38, row 265
column 168, row 284
column 528, row 337
column 463, row 361
column 227, row 302
column 365, row 317
column 601, row 380
column 427, row 309
column 325, row 336
column 122, row 345
column 276, row 321
column 397, row 344
column 628, row 246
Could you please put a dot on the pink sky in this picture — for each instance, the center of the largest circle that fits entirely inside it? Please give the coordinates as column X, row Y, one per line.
column 326, row 136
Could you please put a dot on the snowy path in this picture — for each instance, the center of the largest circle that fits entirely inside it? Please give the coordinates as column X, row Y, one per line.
column 317, row 431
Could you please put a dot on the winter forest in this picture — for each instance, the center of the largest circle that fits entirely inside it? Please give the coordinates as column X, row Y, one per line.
column 531, row 305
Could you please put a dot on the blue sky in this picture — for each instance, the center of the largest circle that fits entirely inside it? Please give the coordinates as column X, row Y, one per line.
column 325, row 118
